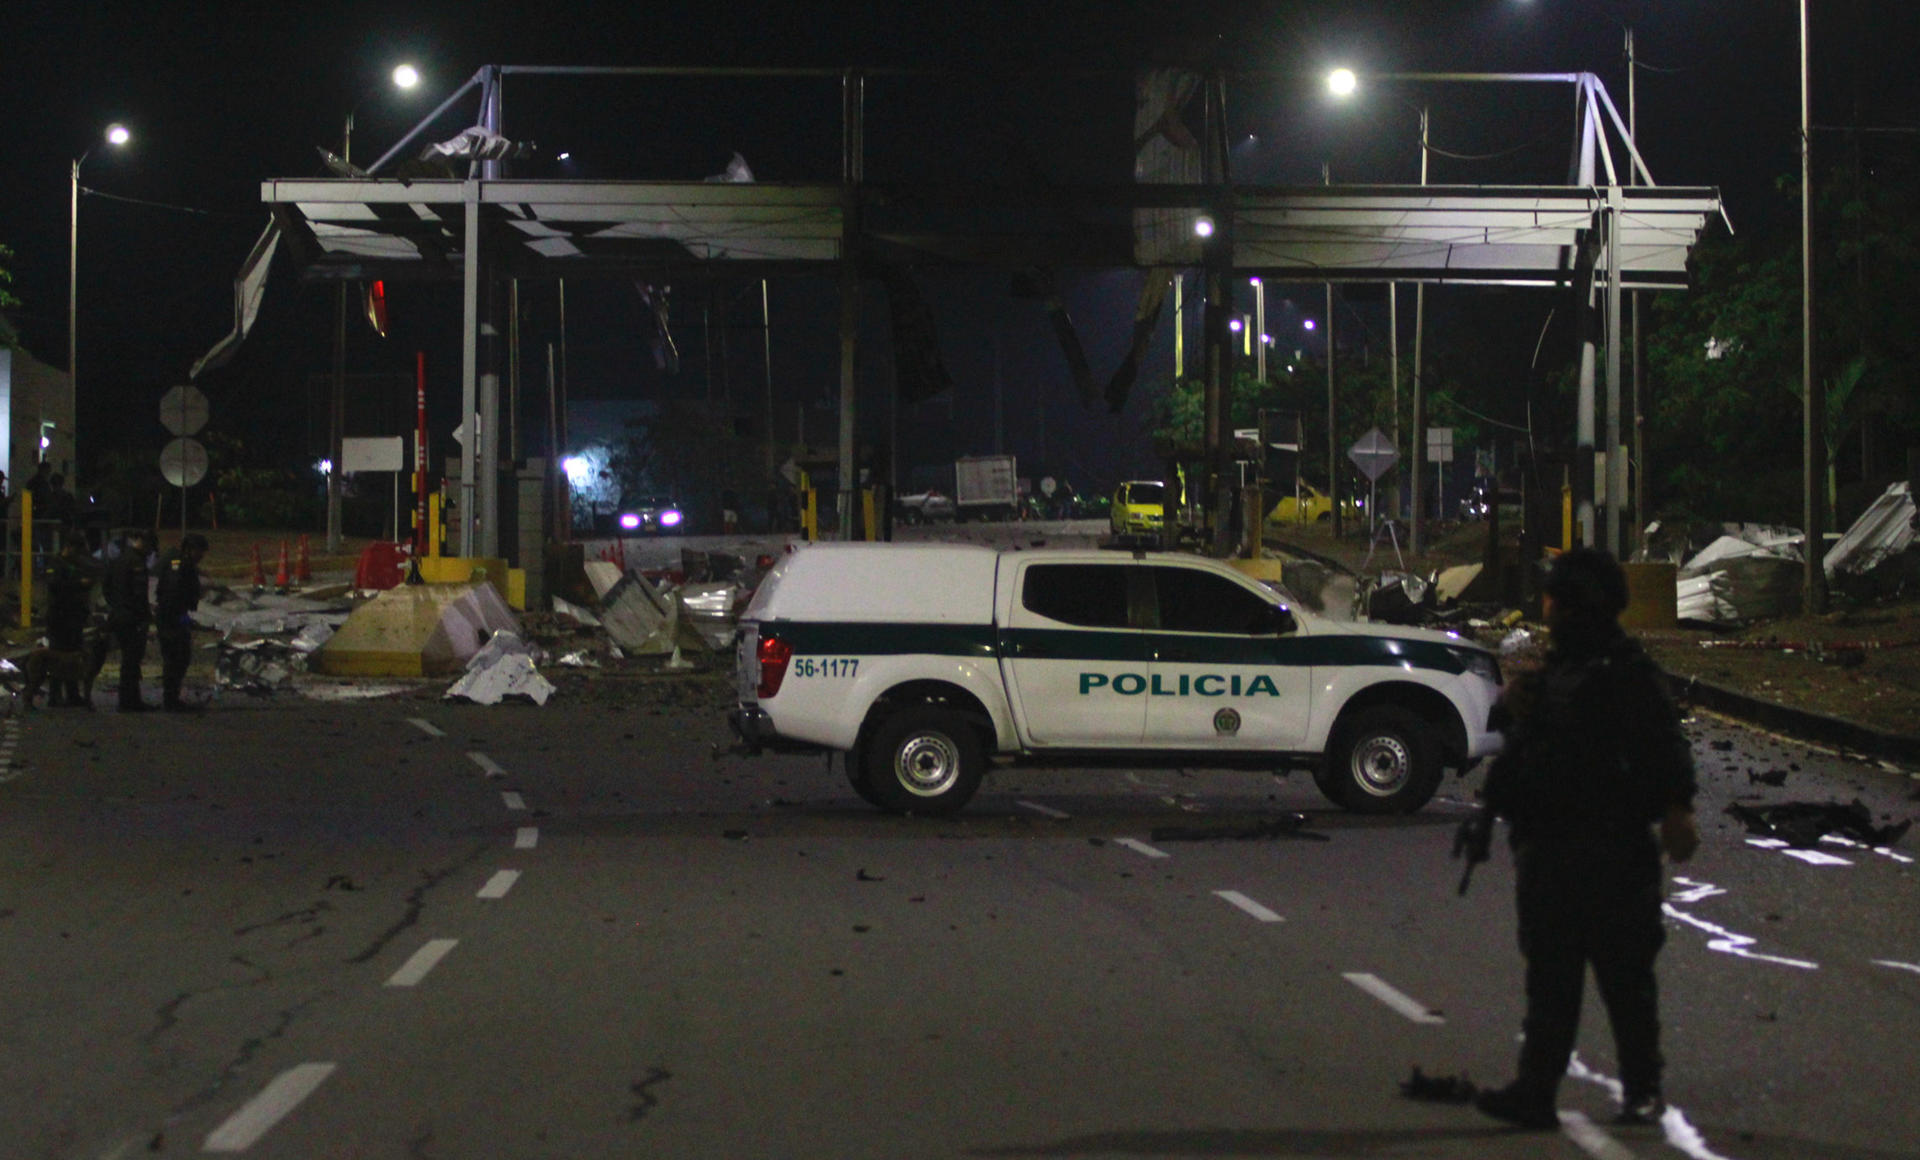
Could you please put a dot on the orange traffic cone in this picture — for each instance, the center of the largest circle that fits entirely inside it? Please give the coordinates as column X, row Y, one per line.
column 259, row 571
column 280, row 575
column 303, row 567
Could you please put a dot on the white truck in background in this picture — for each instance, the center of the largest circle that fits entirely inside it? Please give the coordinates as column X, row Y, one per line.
column 986, row 487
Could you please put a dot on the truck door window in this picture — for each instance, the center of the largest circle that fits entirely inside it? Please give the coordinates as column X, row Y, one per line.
column 1196, row 601
column 1089, row 595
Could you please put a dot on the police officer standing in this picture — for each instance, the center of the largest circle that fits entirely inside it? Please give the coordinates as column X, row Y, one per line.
column 1594, row 761
column 129, row 613
column 70, row 585
column 175, row 598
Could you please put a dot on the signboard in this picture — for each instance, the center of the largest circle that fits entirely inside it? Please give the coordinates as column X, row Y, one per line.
column 386, row 453
column 1373, row 454
column 183, row 462
column 1439, row 445
column 183, row 411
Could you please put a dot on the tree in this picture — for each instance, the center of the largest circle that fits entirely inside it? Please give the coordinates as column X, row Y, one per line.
column 8, row 337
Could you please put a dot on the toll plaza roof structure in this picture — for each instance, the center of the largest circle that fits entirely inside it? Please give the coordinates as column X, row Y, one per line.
column 346, row 228
column 1608, row 227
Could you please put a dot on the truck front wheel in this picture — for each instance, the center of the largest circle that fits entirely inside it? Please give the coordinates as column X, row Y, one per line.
column 1384, row 761
column 923, row 760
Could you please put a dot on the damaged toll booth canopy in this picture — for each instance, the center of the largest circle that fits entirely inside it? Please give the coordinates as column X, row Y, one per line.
column 454, row 209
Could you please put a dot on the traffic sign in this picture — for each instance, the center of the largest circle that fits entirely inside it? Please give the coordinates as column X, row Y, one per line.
column 1373, row 454
column 1439, row 445
column 183, row 462
column 183, row 411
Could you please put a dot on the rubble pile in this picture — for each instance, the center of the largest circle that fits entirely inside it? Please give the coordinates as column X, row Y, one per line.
column 266, row 637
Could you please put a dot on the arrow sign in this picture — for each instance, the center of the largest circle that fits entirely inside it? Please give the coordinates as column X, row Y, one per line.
column 1373, row 454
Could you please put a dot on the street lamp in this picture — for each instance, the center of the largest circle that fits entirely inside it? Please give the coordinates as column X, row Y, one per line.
column 117, row 135
column 1342, row 83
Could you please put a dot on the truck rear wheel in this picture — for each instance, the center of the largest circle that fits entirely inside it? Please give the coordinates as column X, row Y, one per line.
column 923, row 760
column 1384, row 761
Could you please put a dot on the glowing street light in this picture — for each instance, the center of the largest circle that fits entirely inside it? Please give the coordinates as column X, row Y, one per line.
column 1341, row 82
column 1203, row 226
column 406, row 76
column 117, row 136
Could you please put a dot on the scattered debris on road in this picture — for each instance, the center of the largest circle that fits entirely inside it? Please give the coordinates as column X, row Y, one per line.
column 1802, row 824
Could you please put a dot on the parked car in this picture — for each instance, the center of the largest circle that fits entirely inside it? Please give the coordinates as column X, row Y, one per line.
column 1137, row 506
column 1313, row 506
column 925, row 507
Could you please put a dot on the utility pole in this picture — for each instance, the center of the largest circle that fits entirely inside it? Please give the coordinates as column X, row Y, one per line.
column 1813, row 395
column 1418, row 535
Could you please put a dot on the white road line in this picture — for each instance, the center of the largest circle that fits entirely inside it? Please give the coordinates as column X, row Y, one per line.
column 1249, row 905
column 258, row 1115
column 1729, row 943
column 1045, row 811
column 1810, row 857
column 1591, row 1139
column 514, row 801
column 498, row 885
column 423, row 960
column 1406, row 1005
column 1139, row 847
column 426, row 726
column 1679, row 1131
column 1914, row 967
column 1880, row 850
column 486, row 764
column 526, row 837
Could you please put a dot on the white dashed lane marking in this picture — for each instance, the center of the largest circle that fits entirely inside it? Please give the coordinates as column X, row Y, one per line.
column 498, row 885
column 526, row 837
column 1139, row 847
column 1404, row 1004
column 486, row 764
column 1044, row 811
column 514, row 801
column 1249, row 905
column 258, row 1115
column 1591, row 1139
column 426, row 726
column 423, row 960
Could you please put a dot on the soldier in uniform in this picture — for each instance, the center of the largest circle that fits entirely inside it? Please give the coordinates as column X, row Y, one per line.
column 1594, row 762
column 63, row 663
column 175, row 598
column 129, row 613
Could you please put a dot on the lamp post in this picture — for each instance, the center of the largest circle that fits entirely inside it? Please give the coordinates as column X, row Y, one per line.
column 117, row 136
column 1813, row 402
column 404, row 77
column 1342, row 83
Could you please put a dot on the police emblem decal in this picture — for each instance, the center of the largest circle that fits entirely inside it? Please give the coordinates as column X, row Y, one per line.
column 1226, row 721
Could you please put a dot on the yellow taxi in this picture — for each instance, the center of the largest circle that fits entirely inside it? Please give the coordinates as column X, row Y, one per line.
column 1138, row 506
column 1313, row 506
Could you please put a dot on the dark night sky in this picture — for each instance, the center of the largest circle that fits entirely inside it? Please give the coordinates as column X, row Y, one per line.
column 222, row 95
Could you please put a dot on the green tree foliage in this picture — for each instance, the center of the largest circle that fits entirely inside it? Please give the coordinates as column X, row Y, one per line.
column 1725, row 420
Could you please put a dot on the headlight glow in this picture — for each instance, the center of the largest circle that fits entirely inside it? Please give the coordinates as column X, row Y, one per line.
column 629, row 520
column 670, row 518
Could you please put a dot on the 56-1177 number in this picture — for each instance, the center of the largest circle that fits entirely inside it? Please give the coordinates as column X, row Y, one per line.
column 826, row 666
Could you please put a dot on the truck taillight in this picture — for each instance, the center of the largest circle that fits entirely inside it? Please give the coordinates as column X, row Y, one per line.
column 774, row 655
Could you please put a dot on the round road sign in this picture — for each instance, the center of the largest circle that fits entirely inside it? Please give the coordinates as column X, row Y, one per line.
column 183, row 462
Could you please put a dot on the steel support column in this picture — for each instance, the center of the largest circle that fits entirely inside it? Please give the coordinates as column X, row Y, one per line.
column 469, row 367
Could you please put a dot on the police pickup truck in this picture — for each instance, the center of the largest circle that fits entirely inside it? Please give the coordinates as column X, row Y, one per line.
column 921, row 663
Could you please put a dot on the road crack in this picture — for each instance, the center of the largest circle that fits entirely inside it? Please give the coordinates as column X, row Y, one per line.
column 416, row 903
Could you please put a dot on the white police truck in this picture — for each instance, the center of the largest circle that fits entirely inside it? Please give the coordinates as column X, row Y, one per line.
column 923, row 663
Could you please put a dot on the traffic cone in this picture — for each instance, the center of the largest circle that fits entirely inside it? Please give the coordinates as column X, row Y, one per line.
column 303, row 568
column 280, row 574
column 259, row 571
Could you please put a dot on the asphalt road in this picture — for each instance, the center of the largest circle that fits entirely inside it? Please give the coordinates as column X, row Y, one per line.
column 404, row 928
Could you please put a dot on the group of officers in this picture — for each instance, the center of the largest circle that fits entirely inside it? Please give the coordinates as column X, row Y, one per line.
column 98, row 604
